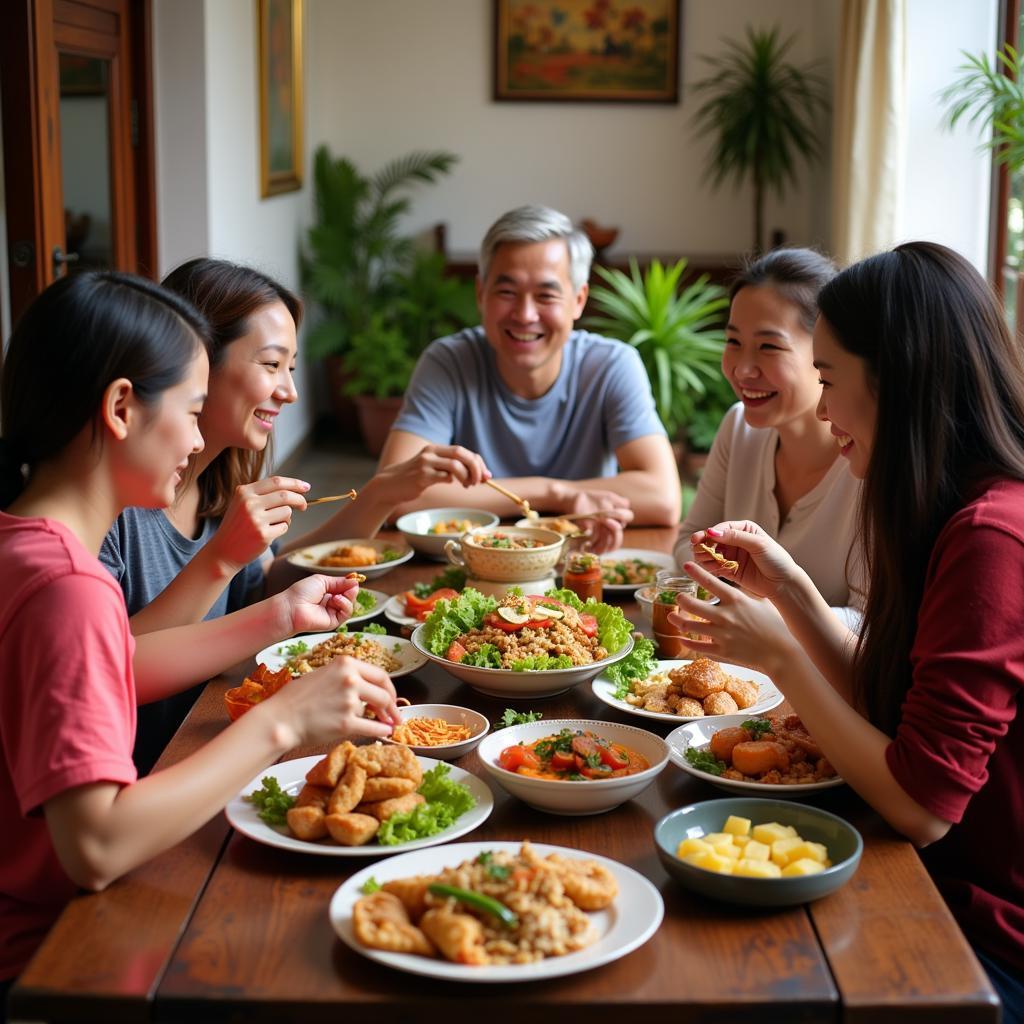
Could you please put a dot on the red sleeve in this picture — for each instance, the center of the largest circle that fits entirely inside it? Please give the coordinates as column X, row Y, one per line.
column 968, row 667
column 70, row 720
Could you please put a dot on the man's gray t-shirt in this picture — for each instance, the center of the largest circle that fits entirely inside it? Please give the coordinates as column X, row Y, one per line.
column 601, row 400
column 144, row 552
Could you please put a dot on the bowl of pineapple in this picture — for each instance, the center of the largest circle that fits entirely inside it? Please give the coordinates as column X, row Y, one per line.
column 757, row 852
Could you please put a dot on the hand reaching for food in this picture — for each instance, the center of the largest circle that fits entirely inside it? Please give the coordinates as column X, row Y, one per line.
column 257, row 514
column 432, row 464
column 605, row 530
column 317, row 603
column 742, row 552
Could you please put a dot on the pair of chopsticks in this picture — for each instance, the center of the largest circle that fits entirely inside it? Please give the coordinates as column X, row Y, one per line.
column 521, row 502
column 331, row 497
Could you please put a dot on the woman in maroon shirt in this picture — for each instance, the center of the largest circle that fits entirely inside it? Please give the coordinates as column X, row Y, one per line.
column 924, row 389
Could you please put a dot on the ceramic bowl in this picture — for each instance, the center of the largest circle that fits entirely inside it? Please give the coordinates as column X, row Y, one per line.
column 592, row 796
column 841, row 838
column 503, row 682
column 478, row 724
column 506, row 565
column 416, row 527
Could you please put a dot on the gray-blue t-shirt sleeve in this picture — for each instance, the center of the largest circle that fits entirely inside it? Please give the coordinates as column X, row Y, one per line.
column 629, row 410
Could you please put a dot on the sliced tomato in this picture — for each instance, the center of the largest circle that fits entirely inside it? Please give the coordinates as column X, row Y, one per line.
column 588, row 624
column 514, row 758
column 423, row 606
column 563, row 762
column 613, row 756
column 455, row 652
column 585, row 747
column 602, row 771
column 495, row 620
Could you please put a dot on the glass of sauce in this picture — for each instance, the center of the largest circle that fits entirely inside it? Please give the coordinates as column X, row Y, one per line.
column 582, row 576
column 670, row 639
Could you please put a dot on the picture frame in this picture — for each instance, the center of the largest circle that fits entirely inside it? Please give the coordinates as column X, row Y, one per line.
column 619, row 51
column 280, row 88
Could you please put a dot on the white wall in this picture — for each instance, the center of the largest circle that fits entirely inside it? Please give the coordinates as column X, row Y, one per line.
column 391, row 76
column 947, row 179
column 208, row 178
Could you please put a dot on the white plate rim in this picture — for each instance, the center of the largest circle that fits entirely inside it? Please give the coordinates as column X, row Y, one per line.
column 243, row 818
column 391, row 613
column 676, row 754
column 412, row 659
column 603, row 689
column 635, row 917
column 663, row 559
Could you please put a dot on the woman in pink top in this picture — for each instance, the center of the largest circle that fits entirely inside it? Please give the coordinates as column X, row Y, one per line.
column 102, row 387
column 923, row 387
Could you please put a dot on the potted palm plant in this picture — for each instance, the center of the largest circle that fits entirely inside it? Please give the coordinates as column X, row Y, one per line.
column 760, row 112
column 677, row 329
column 377, row 293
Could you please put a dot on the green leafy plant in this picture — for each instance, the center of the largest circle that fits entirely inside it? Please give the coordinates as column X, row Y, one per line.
column 677, row 330
column 704, row 414
column 382, row 299
column 760, row 111
column 990, row 95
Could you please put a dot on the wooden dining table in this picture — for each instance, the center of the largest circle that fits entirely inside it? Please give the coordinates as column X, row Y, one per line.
column 222, row 928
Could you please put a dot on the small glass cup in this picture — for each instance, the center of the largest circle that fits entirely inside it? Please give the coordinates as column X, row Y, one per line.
column 669, row 638
column 582, row 575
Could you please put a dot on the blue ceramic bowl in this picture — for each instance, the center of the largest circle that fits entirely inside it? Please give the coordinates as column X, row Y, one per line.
column 842, row 840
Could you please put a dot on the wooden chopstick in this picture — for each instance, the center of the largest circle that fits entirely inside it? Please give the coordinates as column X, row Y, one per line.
column 331, row 497
column 521, row 502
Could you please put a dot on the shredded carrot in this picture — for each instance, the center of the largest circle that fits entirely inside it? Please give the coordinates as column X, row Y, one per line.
column 430, row 732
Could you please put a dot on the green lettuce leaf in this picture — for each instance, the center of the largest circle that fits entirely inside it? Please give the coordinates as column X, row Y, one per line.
column 487, row 657
column 450, row 619
column 445, row 802
column 541, row 663
column 638, row 664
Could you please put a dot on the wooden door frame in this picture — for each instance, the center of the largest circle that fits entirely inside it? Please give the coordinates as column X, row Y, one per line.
column 31, row 144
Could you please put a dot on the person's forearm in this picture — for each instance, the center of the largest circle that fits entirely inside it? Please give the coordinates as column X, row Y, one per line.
column 188, row 597
column 171, row 660
column 119, row 829
column 853, row 746
column 537, row 490
column 824, row 637
column 654, row 501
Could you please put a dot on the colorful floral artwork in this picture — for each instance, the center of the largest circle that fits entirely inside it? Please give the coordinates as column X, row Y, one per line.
column 587, row 50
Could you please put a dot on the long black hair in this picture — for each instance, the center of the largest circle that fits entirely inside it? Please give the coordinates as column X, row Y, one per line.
column 949, row 384
column 228, row 294
column 78, row 336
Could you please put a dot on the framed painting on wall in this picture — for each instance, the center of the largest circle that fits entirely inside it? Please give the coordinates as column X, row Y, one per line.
column 280, row 86
column 611, row 50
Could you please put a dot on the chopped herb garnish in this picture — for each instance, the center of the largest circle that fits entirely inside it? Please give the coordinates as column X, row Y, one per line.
column 705, row 761
column 272, row 802
column 511, row 717
column 371, row 885
column 757, row 726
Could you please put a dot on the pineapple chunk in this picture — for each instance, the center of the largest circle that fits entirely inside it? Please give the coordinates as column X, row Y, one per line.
column 770, row 832
column 757, row 868
column 718, row 839
column 710, row 862
column 692, row 846
column 736, row 826
column 812, row 851
column 782, row 850
column 757, row 851
column 741, row 841
column 804, row 866
column 732, row 852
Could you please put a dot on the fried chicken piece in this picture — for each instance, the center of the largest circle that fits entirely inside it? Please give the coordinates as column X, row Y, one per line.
column 412, row 892
column 689, row 708
column 313, row 796
column 392, row 760
column 384, row 809
column 307, row 822
column 719, row 704
column 348, row 792
column 743, row 691
column 380, row 921
column 351, row 829
column 700, row 678
column 459, row 937
column 350, row 554
column 386, row 788
column 591, row 886
column 329, row 770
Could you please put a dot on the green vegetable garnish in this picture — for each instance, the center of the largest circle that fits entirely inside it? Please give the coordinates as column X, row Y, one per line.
column 375, row 628
column 488, row 656
column 666, row 597
column 541, row 663
column 511, row 717
column 499, row 872
column 453, row 579
column 365, row 601
column 389, row 555
column 445, row 801
column 638, row 664
column 705, row 761
column 299, row 647
column 757, row 726
column 478, row 901
column 272, row 802
column 450, row 619
column 371, row 885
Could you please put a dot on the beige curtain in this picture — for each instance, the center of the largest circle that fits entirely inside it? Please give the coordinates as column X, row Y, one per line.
column 869, row 135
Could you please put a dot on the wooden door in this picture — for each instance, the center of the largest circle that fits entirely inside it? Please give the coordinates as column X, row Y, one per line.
column 77, row 140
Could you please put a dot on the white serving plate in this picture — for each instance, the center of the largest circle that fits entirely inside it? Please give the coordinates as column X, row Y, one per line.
column 626, row 925
column 306, row 558
column 291, row 777
column 698, row 733
column 274, row 656
column 769, row 696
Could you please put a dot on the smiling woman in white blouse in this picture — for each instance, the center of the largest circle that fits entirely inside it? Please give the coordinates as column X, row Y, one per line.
column 773, row 461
